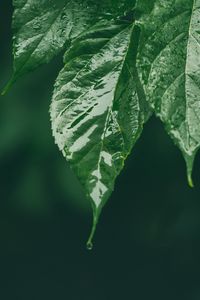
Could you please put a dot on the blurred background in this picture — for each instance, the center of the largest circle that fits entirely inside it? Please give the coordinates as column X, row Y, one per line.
column 147, row 245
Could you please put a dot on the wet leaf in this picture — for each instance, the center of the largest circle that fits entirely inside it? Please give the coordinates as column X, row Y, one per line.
column 169, row 67
column 42, row 28
column 123, row 59
column 98, row 109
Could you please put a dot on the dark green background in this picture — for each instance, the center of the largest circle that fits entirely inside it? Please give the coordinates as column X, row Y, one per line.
column 147, row 244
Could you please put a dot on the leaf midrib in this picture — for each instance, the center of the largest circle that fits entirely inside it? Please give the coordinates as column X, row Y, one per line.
column 109, row 111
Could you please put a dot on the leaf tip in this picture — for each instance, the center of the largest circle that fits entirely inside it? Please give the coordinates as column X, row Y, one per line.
column 89, row 244
column 96, row 213
column 4, row 91
column 189, row 159
column 190, row 180
column 7, row 87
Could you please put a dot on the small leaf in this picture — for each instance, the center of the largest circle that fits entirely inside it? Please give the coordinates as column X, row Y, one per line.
column 169, row 68
column 42, row 28
column 98, row 109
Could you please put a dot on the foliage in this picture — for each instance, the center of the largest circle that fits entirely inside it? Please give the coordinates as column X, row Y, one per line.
column 124, row 60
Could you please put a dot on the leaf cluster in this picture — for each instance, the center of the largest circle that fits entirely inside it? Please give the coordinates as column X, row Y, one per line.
column 124, row 60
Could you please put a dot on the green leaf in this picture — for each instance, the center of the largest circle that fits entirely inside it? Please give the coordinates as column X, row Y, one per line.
column 98, row 107
column 42, row 29
column 124, row 59
column 169, row 68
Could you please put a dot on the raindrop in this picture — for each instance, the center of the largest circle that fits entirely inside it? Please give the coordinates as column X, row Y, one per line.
column 37, row 26
column 89, row 246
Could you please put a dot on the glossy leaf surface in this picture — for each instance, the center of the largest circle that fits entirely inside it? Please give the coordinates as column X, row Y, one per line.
column 42, row 29
column 169, row 65
column 123, row 60
column 97, row 110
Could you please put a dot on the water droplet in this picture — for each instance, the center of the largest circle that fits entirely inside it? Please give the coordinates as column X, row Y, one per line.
column 89, row 246
column 37, row 25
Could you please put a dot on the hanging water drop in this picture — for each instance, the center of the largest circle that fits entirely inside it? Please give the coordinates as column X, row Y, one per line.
column 89, row 246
